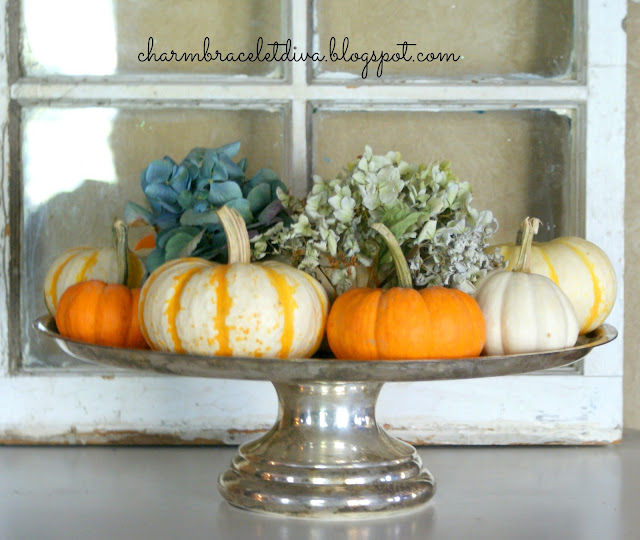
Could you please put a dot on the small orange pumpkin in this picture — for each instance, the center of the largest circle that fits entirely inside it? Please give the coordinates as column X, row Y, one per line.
column 404, row 323
column 103, row 313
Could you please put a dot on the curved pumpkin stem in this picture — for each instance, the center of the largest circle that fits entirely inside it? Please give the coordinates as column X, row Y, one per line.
column 528, row 229
column 238, row 242
column 399, row 260
column 121, row 243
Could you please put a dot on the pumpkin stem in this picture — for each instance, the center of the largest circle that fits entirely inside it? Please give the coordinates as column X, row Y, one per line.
column 528, row 229
column 238, row 242
column 121, row 243
column 399, row 260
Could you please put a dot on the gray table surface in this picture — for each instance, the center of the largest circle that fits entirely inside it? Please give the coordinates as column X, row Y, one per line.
column 170, row 493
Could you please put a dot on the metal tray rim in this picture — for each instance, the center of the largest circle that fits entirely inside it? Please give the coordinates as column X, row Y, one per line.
column 324, row 369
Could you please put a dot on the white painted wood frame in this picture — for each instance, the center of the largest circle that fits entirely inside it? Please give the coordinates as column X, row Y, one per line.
column 565, row 407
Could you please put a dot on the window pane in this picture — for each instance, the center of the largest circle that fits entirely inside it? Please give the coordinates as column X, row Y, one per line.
column 518, row 162
column 81, row 165
column 513, row 38
column 105, row 37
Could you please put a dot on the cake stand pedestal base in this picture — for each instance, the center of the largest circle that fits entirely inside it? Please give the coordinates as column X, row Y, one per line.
column 326, row 456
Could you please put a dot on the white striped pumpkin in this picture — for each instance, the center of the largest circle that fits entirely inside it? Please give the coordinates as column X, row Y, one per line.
column 580, row 268
column 85, row 263
column 268, row 309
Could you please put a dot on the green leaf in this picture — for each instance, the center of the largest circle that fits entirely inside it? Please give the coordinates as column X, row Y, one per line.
column 213, row 245
column 223, row 192
column 176, row 244
column 259, row 197
column 154, row 259
column 232, row 169
column 165, row 235
column 192, row 245
column 402, row 226
column 263, row 175
column 428, row 231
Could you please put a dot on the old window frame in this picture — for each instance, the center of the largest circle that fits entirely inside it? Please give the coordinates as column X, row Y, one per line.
column 566, row 406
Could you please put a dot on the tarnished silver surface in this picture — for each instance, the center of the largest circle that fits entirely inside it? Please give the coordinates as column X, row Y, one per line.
column 300, row 370
column 326, row 455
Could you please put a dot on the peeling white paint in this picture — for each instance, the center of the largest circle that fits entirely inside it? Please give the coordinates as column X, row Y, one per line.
column 502, row 410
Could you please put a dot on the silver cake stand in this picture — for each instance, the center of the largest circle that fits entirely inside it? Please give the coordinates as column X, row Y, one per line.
column 326, row 455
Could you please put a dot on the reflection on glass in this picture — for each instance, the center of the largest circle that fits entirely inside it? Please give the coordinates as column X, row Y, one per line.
column 518, row 162
column 514, row 38
column 80, row 167
column 105, row 37
column 78, row 46
column 42, row 128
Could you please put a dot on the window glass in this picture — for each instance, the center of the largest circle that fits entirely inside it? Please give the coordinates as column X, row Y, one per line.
column 81, row 166
column 524, row 39
column 105, row 37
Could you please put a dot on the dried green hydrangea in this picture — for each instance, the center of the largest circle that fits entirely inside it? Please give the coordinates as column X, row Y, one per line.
column 425, row 206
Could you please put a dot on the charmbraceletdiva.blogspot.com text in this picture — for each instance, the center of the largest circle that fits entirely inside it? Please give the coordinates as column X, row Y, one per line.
column 284, row 51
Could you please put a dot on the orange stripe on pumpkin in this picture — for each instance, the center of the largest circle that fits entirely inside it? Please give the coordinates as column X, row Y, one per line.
column 597, row 288
column 223, row 306
column 53, row 290
column 173, row 309
column 285, row 297
column 145, row 291
column 90, row 262
column 552, row 273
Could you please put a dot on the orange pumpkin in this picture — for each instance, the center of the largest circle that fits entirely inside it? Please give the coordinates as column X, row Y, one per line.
column 101, row 313
column 404, row 323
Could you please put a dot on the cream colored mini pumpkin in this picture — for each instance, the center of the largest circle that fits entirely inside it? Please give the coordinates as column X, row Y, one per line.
column 581, row 269
column 525, row 312
column 84, row 263
column 237, row 309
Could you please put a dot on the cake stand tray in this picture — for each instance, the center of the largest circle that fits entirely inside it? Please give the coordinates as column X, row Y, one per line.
column 326, row 455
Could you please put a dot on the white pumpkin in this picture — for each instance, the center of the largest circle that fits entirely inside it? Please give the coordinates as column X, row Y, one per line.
column 265, row 309
column 525, row 312
column 580, row 268
column 85, row 263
